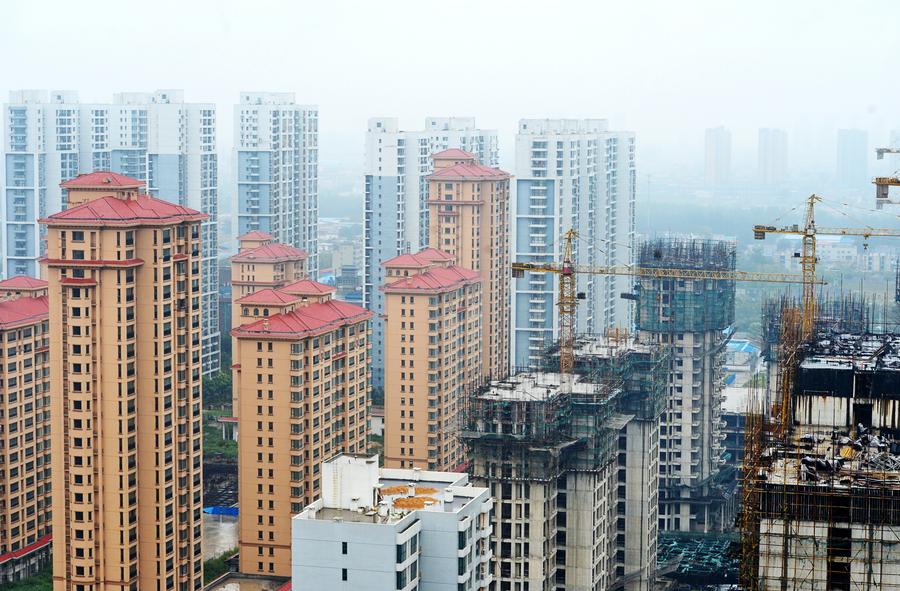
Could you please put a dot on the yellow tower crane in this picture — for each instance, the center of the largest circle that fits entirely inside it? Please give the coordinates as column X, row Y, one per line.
column 568, row 269
column 883, row 184
column 808, row 232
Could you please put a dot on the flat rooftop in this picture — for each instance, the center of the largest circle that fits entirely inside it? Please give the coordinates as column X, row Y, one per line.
column 536, row 386
column 866, row 352
column 363, row 493
column 836, row 461
column 609, row 347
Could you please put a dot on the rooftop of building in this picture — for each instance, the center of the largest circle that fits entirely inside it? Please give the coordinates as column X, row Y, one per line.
column 453, row 154
column 862, row 352
column 610, row 345
column 434, row 280
column 309, row 320
column 836, row 460
column 102, row 180
column 268, row 296
column 424, row 258
column 358, row 491
column 271, row 253
column 538, row 386
column 112, row 211
column 23, row 311
column 308, row 287
column 256, row 235
column 234, row 581
column 468, row 172
column 23, row 282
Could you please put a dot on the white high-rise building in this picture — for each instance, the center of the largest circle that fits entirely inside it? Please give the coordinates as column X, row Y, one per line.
column 570, row 173
column 277, row 170
column 717, row 169
column 49, row 138
column 773, row 156
column 388, row 529
column 396, row 206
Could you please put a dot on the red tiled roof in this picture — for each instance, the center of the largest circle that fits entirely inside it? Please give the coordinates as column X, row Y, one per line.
column 25, row 550
column 256, row 235
column 468, row 171
column 23, row 282
column 270, row 253
column 307, row 287
column 23, row 311
column 376, row 411
column 438, row 278
column 267, row 296
column 453, row 154
column 100, row 180
column 112, row 211
column 306, row 321
column 423, row 258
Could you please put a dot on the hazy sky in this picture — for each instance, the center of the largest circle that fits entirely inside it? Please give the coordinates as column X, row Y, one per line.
column 663, row 69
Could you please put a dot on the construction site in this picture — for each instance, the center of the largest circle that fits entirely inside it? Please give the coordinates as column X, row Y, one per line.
column 821, row 471
column 555, row 448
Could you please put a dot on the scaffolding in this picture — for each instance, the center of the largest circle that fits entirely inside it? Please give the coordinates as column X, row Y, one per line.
column 683, row 305
column 821, row 482
column 538, row 430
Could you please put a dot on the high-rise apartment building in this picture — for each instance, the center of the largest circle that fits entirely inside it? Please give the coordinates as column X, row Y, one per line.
column 124, row 272
column 570, row 174
column 396, row 205
column 469, row 219
column 433, row 342
column 393, row 529
column 25, row 483
column 717, row 163
column 301, row 385
column 277, row 170
column 262, row 263
column 692, row 319
column 773, row 156
column 852, row 158
column 156, row 138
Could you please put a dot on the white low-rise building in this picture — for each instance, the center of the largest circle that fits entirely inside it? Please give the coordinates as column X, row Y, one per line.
column 379, row 529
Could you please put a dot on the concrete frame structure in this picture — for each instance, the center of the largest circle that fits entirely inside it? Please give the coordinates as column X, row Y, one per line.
column 301, row 387
column 469, row 219
column 693, row 319
column 25, row 484
column 389, row 529
column 276, row 144
column 124, row 272
column 396, row 201
column 432, row 357
column 157, row 138
column 570, row 174
column 824, row 502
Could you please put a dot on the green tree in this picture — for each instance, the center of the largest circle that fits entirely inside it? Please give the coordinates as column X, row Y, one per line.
column 217, row 388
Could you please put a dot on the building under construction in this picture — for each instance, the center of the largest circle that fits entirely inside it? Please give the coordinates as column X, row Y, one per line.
column 572, row 462
column 822, row 474
column 693, row 319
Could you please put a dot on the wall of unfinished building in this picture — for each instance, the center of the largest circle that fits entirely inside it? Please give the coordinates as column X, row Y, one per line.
column 814, row 555
column 586, row 511
column 638, row 503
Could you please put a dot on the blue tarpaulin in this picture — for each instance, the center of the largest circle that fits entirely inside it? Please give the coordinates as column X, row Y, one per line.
column 230, row 511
